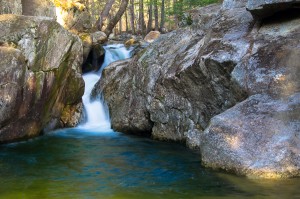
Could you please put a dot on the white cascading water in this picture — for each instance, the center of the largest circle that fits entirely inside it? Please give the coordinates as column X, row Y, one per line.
column 97, row 115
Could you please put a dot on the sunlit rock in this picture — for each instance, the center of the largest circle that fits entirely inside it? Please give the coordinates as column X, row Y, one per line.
column 258, row 138
column 152, row 36
column 40, row 75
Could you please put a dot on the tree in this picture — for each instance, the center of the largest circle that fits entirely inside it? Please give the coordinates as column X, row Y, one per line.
column 162, row 18
column 149, row 26
column 113, row 22
column 104, row 14
column 131, row 11
column 141, row 17
column 156, row 14
column 126, row 21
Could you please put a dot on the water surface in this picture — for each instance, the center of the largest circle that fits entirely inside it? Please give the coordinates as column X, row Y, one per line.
column 73, row 163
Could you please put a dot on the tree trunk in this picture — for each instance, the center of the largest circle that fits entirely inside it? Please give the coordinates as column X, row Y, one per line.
column 149, row 26
column 112, row 23
column 131, row 11
column 104, row 14
column 126, row 21
column 162, row 18
column 156, row 14
column 141, row 17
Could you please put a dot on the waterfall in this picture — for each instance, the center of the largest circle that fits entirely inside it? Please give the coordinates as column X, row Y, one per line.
column 97, row 114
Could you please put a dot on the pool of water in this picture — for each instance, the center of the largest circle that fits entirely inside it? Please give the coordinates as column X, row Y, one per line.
column 74, row 163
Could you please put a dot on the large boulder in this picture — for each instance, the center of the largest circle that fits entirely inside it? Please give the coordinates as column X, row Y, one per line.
column 266, row 8
column 173, row 89
column 40, row 75
column 227, row 85
column 259, row 137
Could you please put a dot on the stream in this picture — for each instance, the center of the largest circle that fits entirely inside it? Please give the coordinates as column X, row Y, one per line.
column 93, row 161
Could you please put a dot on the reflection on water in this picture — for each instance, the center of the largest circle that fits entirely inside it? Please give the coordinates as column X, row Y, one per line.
column 75, row 164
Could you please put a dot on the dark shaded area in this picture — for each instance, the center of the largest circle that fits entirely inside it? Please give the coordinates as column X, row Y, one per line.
column 282, row 16
column 269, row 10
column 94, row 60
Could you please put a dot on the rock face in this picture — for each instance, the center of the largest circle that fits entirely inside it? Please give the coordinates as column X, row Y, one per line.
column 266, row 8
column 173, row 90
column 260, row 136
column 38, row 8
column 40, row 75
column 10, row 7
column 226, row 85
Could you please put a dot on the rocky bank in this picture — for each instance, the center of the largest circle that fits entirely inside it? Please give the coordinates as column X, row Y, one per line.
column 40, row 77
column 227, row 85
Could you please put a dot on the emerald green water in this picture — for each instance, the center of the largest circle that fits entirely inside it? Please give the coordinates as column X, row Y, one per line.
column 72, row 163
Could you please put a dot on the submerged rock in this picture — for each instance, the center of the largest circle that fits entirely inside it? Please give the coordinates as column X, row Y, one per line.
column 40, row 75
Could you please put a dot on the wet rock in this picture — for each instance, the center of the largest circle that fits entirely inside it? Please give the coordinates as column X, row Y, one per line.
column 40, row 75
column 72, row 115
column 262, row 8
column 126, row 103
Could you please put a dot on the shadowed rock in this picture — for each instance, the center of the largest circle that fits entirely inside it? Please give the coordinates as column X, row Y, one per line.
column 263, row 8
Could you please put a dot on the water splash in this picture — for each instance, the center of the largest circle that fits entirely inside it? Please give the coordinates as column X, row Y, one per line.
column 97, row 114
